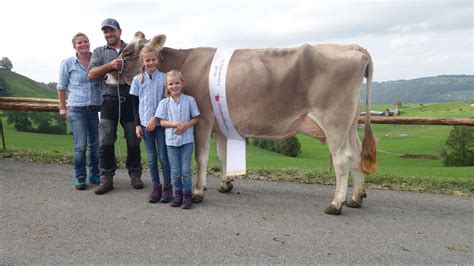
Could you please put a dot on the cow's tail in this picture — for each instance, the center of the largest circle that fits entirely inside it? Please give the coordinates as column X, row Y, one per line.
column 368, row 163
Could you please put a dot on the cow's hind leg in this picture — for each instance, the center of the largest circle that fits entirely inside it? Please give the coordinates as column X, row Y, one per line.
column 358, row 185
column 359, row 189
column 226, row 181
column 341, row 163
column 343, row 155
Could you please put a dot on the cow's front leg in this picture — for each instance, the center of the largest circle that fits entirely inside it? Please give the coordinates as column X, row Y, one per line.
column 202, row 141
column 221, row 144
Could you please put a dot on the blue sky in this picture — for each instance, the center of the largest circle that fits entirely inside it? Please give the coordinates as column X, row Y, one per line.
column 407, row 39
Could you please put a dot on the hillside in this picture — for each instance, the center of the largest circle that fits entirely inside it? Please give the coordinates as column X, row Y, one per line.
column 445, row 88
column 21, row 86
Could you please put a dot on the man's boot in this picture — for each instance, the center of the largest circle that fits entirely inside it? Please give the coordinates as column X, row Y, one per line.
column 136, row 182
column 106, row 185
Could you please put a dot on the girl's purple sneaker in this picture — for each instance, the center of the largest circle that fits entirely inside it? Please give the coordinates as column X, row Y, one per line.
column 178, row 199
column 155, row 194
column 167, row 194
column 187, row 202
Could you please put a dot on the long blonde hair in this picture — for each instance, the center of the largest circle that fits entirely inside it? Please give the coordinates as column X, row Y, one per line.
column 147, row 49
column 173, row 73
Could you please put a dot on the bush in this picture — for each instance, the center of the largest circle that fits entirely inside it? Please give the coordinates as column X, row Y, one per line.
column 459, row 148
column 289, row 147
column 36, row 122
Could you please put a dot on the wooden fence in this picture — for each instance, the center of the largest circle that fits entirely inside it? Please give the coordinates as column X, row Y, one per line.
column 52, row 105
column 29, row 104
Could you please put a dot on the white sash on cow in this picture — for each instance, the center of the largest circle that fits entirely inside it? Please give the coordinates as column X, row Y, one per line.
column 235, row 157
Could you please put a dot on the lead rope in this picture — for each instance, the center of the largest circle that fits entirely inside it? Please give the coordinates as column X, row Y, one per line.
column 119, row 112
column 119, row 100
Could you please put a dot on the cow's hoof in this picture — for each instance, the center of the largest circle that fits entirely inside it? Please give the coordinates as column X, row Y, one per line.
column 333, row 211
column 225, row 189
column 353, row 204
column 197, row 198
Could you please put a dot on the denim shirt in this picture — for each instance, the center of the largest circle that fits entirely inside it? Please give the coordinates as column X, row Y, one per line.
column 182, row 110
column 149, row 94
column 73, row 79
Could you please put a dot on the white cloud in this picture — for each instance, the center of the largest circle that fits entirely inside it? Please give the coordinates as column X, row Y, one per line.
column 407, row 39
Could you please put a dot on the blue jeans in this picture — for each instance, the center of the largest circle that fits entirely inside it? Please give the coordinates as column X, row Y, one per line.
column 180, row 161
column 156, row 149
column 85, row 130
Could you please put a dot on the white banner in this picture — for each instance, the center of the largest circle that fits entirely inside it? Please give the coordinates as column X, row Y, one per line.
column 235, row 157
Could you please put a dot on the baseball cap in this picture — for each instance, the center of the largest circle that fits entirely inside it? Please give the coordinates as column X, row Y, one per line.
column 110, row 22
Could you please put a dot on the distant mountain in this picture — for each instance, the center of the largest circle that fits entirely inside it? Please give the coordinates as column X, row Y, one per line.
column 445, row 88
column 16, row 85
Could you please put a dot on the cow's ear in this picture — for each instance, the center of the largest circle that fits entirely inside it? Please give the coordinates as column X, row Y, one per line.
column 158, row 42
column 139, row 35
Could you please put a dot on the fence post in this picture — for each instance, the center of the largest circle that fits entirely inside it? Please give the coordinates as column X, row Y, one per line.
column 3, row 134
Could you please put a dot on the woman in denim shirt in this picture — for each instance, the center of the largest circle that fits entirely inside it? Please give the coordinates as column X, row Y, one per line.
column 81, row 111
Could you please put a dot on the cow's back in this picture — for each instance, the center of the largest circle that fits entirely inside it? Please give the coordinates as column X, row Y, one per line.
column 267, row 89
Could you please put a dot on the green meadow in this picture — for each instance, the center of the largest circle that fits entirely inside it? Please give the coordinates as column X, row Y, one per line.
column 313, row 164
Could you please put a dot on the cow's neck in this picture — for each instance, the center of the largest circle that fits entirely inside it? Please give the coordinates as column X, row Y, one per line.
column 173, row 58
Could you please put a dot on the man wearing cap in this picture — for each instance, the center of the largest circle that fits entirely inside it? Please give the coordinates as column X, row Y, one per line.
column 114, row 99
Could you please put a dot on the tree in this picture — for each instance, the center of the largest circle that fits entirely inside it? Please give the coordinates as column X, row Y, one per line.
column 20, row 120
column 6, row 63
column 51, row 85
column 49, row 123
column 459, row 149
column 4, row 89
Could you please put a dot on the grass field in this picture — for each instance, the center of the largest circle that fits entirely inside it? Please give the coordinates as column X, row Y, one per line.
column 313, row 164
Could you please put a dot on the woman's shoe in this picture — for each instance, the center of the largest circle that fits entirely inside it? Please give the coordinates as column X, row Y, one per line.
column 80, row 183
column 94, row 180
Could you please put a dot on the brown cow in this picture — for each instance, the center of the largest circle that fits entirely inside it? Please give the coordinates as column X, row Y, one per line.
column 277, row 93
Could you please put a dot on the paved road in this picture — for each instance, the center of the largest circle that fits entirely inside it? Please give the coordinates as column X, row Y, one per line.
column 44, row 220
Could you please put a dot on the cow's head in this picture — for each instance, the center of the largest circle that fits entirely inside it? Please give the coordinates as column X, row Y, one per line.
column 131, row 58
